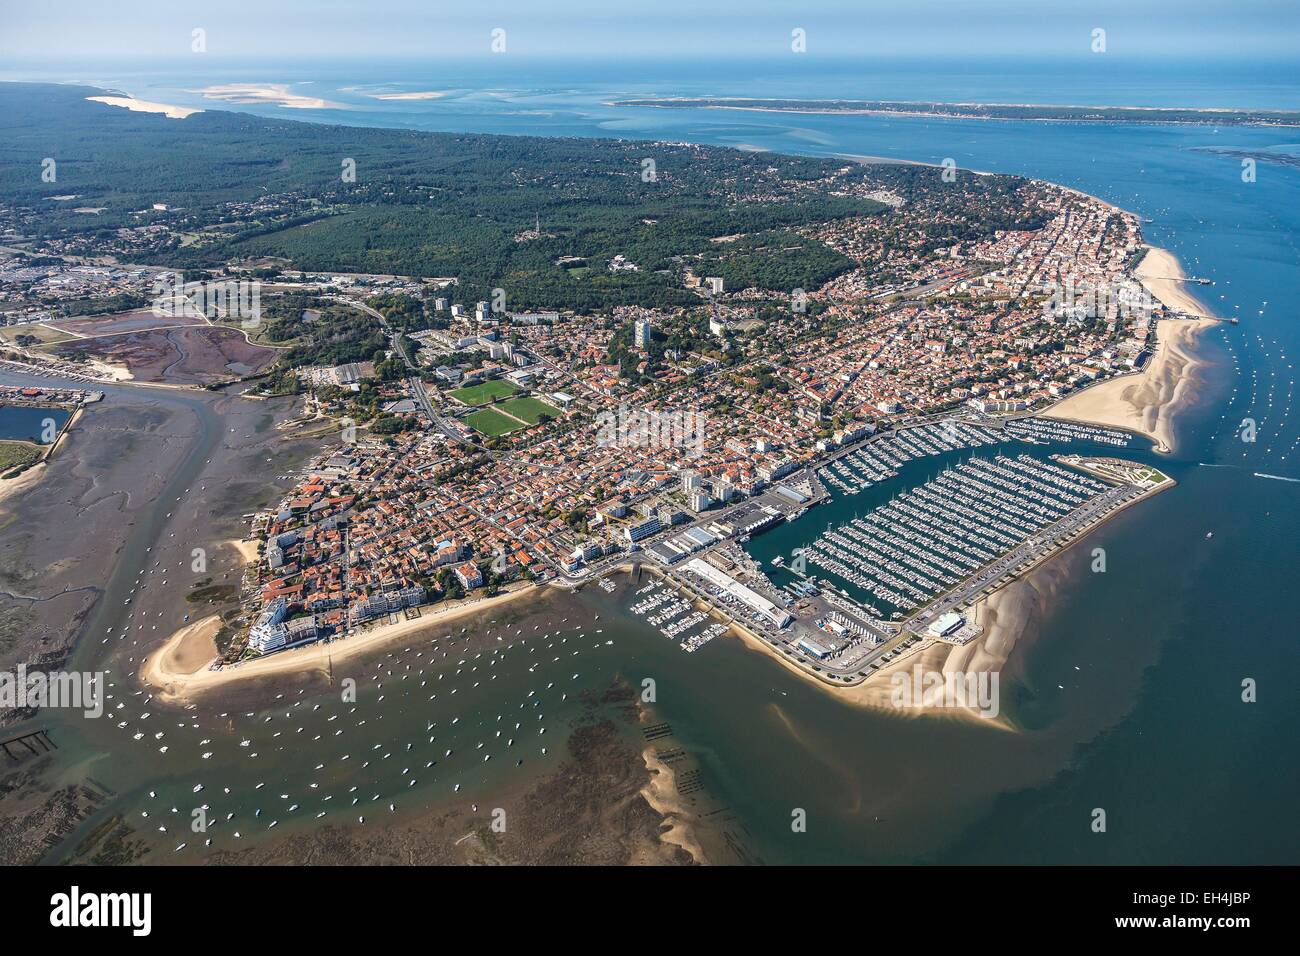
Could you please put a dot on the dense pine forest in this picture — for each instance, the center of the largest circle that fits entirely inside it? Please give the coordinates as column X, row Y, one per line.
column 220, row 187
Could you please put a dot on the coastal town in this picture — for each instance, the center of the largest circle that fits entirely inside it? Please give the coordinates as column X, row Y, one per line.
column 582, row 436
column 482, row 450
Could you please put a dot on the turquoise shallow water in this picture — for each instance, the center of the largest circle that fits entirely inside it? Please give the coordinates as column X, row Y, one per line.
column 1130, row 696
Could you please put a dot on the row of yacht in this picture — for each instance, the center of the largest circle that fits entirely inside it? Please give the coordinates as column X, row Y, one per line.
column 924, row 541
column 664, row 608
column 881, row 460
column 1040, row 430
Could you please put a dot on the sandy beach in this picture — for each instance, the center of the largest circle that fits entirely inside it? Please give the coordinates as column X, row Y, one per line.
column 876, row 692
column 178, row 674
column 247, row 549
column 987, row 652
column 189, row 650
column 12, row 487
column 1163, row 275
column 1148, row 402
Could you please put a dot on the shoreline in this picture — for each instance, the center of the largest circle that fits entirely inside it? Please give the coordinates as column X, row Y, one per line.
column 1161, row 273
column 1010, row 611
column 873, row 692
column 247, row 548
column 173, row 684
column 169, row 110
column 1149, row 402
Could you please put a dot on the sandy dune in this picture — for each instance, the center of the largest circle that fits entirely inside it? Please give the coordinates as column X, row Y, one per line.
column 144, row 106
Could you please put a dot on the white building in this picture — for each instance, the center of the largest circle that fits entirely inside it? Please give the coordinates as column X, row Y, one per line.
column 776, row 615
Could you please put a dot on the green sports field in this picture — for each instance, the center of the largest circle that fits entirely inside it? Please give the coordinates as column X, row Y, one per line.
column 530, row 410
column 490, row 422
column 484, row 392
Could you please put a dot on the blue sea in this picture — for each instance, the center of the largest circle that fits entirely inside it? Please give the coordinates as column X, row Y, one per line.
column 1130, row 696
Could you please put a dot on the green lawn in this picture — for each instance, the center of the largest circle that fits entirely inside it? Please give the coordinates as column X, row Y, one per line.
column 490, row 422
column 530, row 410
column 17, row 456
column 484, row 392
column 43, row 333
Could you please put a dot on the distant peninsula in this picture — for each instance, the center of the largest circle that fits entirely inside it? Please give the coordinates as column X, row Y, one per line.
column 992, row 111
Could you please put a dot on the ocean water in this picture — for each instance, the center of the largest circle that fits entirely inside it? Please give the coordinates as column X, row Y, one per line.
column 1130, row 697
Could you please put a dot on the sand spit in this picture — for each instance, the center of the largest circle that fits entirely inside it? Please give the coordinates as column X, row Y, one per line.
column 661, row 793
column 163, row 669
column 188, row 651
column 267, row 94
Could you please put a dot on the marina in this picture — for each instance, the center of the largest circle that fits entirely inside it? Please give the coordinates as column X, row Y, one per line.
column 674, row 614
column 977, row 504
column 927, row 540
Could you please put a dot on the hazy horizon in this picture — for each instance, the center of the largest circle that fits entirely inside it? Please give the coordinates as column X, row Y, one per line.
column 299, row 30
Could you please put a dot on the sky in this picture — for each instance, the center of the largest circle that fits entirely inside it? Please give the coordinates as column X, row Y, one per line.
column 158, row 30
